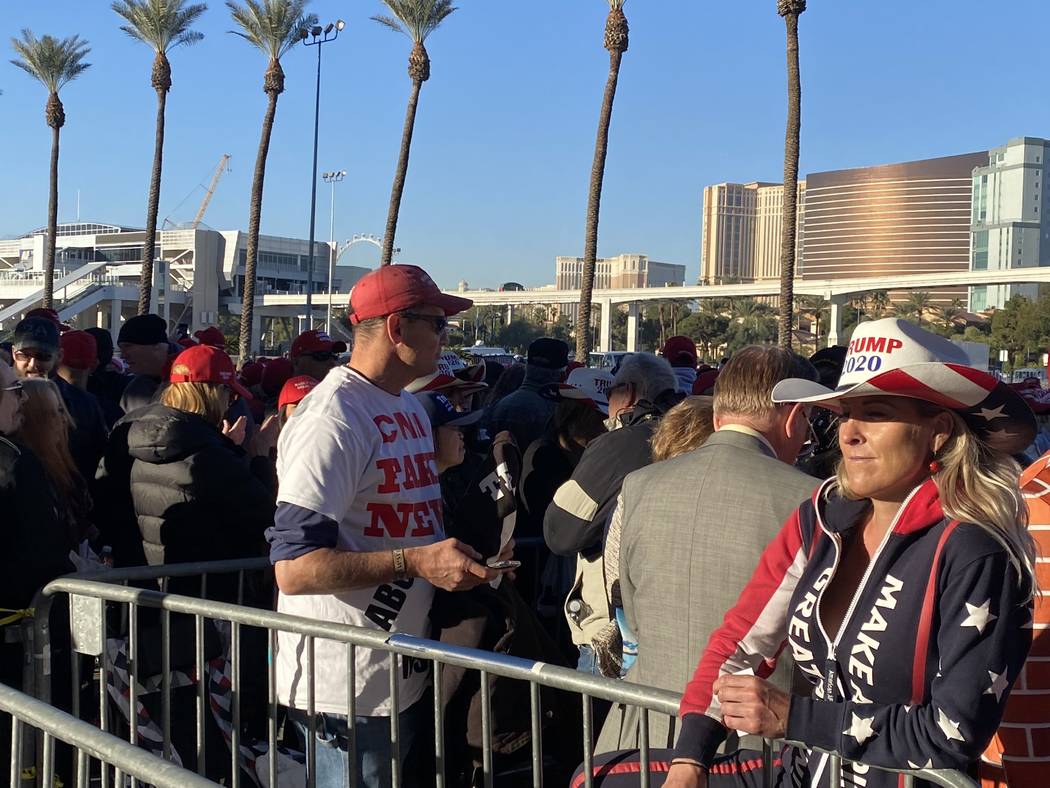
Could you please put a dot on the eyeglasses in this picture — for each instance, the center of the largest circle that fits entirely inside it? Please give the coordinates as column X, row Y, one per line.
column 42, row 357
column 323, row 355
column 439, row 322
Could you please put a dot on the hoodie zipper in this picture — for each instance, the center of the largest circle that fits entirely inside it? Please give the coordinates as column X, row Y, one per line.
column 830, row 665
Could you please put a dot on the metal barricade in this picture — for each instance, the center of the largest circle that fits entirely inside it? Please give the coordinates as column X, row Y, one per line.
column 89, row 744
column 89, row 600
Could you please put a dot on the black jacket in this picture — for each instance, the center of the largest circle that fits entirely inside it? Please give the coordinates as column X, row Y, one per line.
column 576, row 518
column 35, row 543
column 87, row 436
column 196, row 496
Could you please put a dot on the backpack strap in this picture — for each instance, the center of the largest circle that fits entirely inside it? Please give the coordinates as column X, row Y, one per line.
column 922, row 640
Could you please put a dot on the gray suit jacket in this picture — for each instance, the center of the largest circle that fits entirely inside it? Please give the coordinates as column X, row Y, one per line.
column 693, row 530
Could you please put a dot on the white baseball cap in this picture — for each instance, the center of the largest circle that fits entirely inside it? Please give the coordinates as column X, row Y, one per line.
column 585, row 385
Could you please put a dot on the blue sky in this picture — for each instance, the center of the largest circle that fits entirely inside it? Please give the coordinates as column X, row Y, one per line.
column 505, row 132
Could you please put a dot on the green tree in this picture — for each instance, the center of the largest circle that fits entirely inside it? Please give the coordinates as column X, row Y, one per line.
column 878, row 303
column 519, row 335
column 162, row 25
column 914, row 307
column 416, row 19
column 616, row 41
column 274, row 27
column 790, row 10
column 54, row 62
column 707, row 330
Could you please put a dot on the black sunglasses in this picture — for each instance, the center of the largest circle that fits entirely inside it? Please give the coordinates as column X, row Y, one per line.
column 439, row 322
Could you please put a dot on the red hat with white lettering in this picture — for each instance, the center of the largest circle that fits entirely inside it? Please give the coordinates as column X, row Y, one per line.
column 395, row 288
column 295, row 390
column 315, row 341
column 206, row 364
column 892, row 357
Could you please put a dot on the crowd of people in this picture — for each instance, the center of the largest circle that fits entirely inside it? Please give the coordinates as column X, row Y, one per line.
column 839, row 552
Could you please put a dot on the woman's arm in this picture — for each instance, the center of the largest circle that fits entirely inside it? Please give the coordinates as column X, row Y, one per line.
column 983, row 638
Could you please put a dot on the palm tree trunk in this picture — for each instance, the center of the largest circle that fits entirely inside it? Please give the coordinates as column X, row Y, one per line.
column 400, row 175
column 254, row 215
column 52, row 225
column 149, row 246
column 594, row 201
column 791, row 146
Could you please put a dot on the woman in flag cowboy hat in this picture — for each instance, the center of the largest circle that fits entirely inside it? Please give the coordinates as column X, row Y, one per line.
column 902, row 590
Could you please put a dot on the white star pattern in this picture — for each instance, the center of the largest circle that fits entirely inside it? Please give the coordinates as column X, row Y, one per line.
column 991, row 415
column 927, row 765
column 860, row 728
column 999, row 684
column 908, row 708
column 1001, row 434
column 948, row 727
column 978, row 616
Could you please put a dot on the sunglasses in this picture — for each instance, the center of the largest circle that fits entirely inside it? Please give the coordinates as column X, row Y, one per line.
column 43, row 357
column 438, row 322
column 323, row 355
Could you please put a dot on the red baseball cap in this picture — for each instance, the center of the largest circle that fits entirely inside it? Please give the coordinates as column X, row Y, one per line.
column 211, row 336
column 49, row 314
column 186, row 343
column 79, row 350
column 294, row 389
column 275, row 372
column 206, row 364
column 676, row 347
column 394, row 288
column 316, row 341
column 251, row 374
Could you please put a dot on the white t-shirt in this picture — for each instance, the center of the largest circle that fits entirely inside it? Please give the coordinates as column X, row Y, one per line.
column 364, row 458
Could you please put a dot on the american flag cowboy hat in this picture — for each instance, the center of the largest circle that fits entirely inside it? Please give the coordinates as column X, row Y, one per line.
column 897, row 358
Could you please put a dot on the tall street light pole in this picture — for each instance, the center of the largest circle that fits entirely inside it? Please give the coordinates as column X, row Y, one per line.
column 319, row 36
column 332, row 178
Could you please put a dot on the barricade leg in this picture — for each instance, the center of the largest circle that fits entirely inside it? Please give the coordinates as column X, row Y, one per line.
column 536, row 720
column 439, row 728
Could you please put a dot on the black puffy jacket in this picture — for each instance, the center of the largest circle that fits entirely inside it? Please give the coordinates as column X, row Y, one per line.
column 196, row 496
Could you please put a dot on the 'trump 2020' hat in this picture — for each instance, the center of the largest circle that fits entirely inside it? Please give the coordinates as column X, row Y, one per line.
column 395, row 288
column 897, row 358
column 583, row 385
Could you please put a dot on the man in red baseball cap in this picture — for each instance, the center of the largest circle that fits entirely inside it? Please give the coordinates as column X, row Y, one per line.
column 358, row 536
column 680, row 353
column 314, row 353
column 78, row 359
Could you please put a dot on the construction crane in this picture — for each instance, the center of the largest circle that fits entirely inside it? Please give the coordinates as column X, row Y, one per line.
column 211, row 190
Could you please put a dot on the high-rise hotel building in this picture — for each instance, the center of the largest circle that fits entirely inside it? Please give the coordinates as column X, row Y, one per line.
column 909, row 218
column 1010, row 225
column 741, row 231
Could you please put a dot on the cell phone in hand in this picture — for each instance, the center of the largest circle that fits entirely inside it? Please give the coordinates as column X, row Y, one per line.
column 495, row 563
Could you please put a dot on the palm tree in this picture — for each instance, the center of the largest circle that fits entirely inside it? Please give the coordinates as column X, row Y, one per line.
column 616, row 41
column 949, row 314
column 790, row 10
column 417, row 19
column 914, row 306
column 162, row 25
column 274, row 26
column 55, row 63
column 880, row 302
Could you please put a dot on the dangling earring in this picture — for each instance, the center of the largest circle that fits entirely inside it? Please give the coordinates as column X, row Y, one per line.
column 935, row 467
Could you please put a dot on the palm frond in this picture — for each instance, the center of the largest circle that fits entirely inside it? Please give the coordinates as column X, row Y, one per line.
column 162, row 24
column 274, row 26
column 617, row 5
column 418, row 18
column 54, row 62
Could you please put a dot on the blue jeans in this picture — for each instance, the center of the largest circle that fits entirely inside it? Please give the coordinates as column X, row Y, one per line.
column 372, row 744
column 588, row 662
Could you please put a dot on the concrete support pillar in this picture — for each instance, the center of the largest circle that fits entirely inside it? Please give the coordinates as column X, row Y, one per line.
column 632, row 327
column 510, row 314
column 605, row 329
column 114, row 319
column 256, row 333
column 835, row 319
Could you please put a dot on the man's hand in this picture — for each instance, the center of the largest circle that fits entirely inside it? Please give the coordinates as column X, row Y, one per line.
column 451, row 565
column 686, row 775
column 753, row 705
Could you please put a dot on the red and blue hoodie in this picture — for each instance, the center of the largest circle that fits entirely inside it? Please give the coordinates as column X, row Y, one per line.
column 919, row 672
